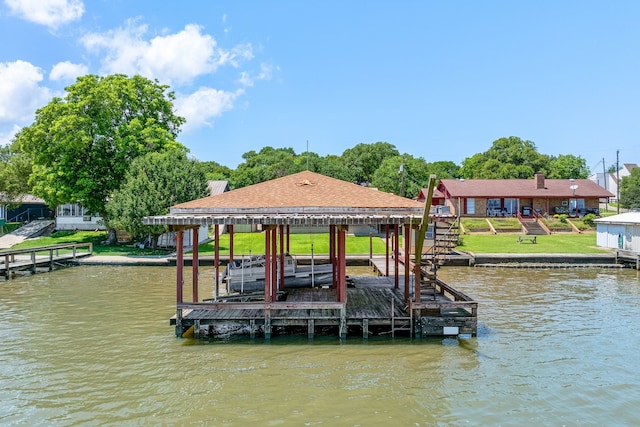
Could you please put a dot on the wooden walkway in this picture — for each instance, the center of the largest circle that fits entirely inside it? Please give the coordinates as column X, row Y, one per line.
column 43, row 257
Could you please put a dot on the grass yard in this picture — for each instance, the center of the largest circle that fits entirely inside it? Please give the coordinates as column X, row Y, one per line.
column 299, row 244
column 552, row 244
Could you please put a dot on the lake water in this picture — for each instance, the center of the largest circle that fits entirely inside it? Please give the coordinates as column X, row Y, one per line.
column 93, row 346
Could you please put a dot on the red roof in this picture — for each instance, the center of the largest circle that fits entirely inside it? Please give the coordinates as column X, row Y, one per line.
column 514, row 188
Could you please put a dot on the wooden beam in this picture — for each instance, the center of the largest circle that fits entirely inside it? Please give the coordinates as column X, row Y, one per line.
column 179, row 265
column 422, row 231
column 194, row 264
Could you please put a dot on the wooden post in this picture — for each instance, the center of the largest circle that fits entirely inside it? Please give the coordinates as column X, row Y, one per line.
column 267, row 269
column 407, row 261
column 332, row 254
column 386, row 246
column 281, row 231
column 396, row 254
column 179, row 265
column 216, row 257
column 194, row 264
column 274, row 266
column 342, row 264
column 288, row 236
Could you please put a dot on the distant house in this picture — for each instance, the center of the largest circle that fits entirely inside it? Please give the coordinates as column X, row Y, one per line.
column 619, row 231
column 72, row 216
column 27, row 208
column 610, row 180
column 437, row 199
column 509, row 197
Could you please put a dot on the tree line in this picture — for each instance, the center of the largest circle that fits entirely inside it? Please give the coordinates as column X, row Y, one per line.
column 111, row 145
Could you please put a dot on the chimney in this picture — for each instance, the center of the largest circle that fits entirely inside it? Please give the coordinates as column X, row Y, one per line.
column 539, row 176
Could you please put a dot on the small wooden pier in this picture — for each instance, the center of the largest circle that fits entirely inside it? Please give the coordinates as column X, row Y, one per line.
column 45, row 258
column 374, row 307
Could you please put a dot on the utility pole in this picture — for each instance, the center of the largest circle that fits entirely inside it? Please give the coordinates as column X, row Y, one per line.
column 402, row 178
column 604, row 174
column 618, row 179
column 307, row 154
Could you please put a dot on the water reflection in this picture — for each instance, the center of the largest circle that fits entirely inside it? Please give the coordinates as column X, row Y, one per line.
column 92, row 345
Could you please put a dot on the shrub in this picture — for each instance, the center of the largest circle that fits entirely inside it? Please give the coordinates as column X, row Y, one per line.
column 588, row 220
column 563, row 218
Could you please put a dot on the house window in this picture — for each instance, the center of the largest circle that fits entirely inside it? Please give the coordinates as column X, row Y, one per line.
column 471, row 206
column 70, row 209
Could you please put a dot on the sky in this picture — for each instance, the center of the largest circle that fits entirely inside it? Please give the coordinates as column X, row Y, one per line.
column 439, row 80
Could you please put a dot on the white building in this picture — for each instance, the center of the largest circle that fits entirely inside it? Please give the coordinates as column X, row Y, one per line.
column 609, row 180
column 619, row 231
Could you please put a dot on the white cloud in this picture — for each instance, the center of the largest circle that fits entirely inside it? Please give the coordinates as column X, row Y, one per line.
column 203, row 105
column 173, row 58
column 67, row 71
column 50, row 13
column 20, row 92
column 7, row 137
column 248, row 79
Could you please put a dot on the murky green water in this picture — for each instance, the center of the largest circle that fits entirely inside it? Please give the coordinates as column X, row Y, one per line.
column 92, row 346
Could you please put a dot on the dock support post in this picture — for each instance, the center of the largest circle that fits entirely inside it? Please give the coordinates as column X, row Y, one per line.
column 179, row 322
column 310, row 328
column 252, row 328
column 50, row 259
column 196, row 329
column 365, row 329
column 34, row 270
column 267, row 322
column 343, row 322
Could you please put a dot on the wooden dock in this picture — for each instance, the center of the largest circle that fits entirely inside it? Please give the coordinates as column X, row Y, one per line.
column 374, row 307
column 47, row 258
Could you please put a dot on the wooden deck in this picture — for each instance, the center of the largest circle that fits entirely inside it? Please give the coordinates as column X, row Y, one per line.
column 374, row 307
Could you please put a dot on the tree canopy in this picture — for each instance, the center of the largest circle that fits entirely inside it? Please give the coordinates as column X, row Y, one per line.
column 154, row 183
column 630, row 190
column 15, row 168
column 364, row 159
column 513, row 157
column 83, row 144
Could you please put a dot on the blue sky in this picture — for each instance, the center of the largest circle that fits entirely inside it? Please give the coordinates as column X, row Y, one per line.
column 439, row 80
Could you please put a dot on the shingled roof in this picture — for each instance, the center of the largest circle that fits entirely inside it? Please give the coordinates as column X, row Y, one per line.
column 514, row 188
column 308, row 191
column 306, row 196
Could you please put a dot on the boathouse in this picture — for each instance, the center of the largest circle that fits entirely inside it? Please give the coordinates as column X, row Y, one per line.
column 423, row 305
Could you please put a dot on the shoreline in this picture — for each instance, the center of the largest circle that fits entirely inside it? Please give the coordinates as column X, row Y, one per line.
column 604, row 260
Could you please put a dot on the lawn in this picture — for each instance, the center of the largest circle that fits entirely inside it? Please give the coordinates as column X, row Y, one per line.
column 299, row 244
column 552, row 244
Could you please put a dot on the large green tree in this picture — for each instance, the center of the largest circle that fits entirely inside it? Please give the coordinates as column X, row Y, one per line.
column 15, row 168
column 402, row 175
column 630, row 190
column 154, row 183
column 364, row 159
column 507, row 158
column 269, row 163
column 567, row 166
column 83, row 144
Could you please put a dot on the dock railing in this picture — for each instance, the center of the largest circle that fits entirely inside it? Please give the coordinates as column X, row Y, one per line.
column 30, row 258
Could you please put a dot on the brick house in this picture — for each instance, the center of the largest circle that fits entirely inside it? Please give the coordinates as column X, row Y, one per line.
column 508, row 197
